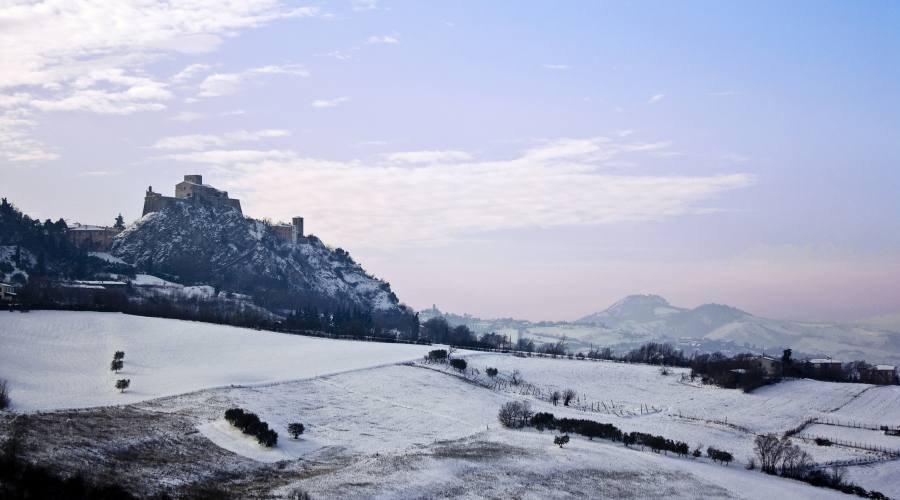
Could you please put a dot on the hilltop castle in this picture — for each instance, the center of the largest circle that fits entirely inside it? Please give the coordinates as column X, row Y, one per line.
column 191, row 190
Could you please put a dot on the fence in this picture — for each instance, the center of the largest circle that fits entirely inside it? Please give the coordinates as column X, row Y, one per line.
column 853, row 444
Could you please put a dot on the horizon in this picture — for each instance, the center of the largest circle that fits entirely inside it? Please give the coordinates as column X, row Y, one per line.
column 537, row 162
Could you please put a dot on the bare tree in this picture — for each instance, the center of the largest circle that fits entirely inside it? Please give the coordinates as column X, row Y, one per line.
column 770, row 450
column 567, row 396
column 515, row 378
column 554, row 397
column 515, row 414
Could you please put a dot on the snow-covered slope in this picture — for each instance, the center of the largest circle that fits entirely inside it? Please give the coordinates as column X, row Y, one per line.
column 212, row 245
column 54, row 359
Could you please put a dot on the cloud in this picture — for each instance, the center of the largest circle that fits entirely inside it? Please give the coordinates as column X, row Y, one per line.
column 385, row 39
column 553, row 184
column 445, row 156
column 329, row 103
column 16, row 145
column 196, row 142
column 92, row 56
column 187, row 116
column 656, row 98
column 557, row 67
column 190, row 72
column 221, row 84
column 364, row 5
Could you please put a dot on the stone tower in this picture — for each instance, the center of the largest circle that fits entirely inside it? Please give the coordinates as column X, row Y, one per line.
column 296, row 230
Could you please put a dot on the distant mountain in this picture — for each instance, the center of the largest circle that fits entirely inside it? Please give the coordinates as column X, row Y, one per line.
column 195, row 243
column 641, row 318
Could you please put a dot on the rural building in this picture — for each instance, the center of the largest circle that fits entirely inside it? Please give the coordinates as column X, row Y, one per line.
column 771, row 366
column 827, row 366
column 881, row 374
column 8, row 292
column 91, row 238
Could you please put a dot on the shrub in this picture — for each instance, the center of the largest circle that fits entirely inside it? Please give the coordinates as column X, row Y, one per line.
column 437, row 356
column 249, row 423
column 491, row 372
column 4, row 395
column 295, row 429
column 515, row 414
column 823, row 442
column 123, row 384
column 719, row 455
column 459, row 364
column 561, row 440
column 543, row 420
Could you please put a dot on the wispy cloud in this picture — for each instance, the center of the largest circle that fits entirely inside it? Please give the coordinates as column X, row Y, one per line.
column 386, row 39
column 443, row 156
column 197, row 142
column 656, row 98
column 464, row 196
column 187, row 116
column 221, row 84
column 557, row 67
column 364, row 5
column 329, row 103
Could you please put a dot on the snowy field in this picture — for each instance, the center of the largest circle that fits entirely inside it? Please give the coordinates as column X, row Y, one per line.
column 55, row 359
column 382, row 424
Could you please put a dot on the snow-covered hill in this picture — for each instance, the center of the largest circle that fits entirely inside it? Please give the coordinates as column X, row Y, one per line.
column 213, row 245
column 56, row 359
column 652, row 317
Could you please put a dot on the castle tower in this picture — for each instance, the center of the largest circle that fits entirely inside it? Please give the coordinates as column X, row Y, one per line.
column 196, row 179
column 296, row 230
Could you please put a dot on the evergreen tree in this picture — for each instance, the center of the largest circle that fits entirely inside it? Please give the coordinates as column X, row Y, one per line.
column 120, row 222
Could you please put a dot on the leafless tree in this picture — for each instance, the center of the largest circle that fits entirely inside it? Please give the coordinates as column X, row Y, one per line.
column 567, row 396
column 554, row 397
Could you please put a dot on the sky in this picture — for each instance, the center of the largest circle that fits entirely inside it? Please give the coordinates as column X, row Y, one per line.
column 537, row 160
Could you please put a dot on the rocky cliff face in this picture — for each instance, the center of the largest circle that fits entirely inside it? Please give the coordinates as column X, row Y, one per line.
column 214, row 245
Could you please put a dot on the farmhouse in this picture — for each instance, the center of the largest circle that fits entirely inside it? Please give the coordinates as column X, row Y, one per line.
column 8, row 292
column 771, row 366
column 881, row 374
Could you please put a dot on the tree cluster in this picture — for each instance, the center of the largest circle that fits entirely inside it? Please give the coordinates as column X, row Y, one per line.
column 437, row 356
column 591, row 429
column 741, row 371
column 459, row 364
column 780, row 456
column 4, row 395
column 721, row 456
column 249, row 423
column 515, row 414
column 295, row 429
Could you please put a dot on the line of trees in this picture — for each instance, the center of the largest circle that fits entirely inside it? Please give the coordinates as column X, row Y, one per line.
column 517, row 414
column 249, row 423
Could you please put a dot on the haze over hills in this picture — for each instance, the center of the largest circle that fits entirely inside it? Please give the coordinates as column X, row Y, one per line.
column 640, row 318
